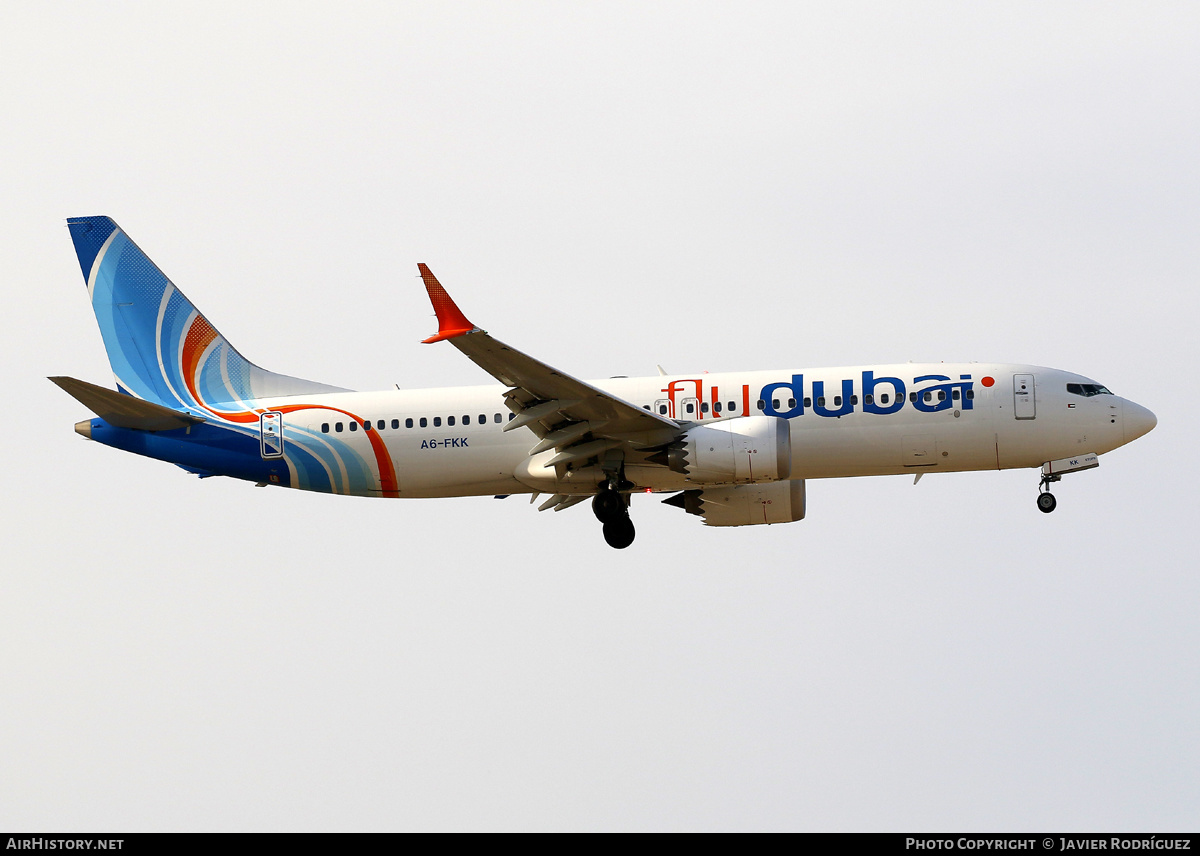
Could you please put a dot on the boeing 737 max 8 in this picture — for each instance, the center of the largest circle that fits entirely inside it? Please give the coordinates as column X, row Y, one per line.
column 734, row 448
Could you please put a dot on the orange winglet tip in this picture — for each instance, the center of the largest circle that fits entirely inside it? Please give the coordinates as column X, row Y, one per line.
column 451, row 321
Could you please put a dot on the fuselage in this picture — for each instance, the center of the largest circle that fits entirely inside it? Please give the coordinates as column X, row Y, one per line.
column 734, row 448
column 850, row 421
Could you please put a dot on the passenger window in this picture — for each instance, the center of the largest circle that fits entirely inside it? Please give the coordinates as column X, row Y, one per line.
column 408, row 423
column 854, row 399
column 424, row 422
column 497, row 419
column 954, row 395
column 970, row 394
column 928, row 395
column 483, row 419
column 941, row 395
column 837, row 401
column 884, row 397
column 704, row 407
column 912, row 396
column 868, row 399
column 353, row 426
column 808, row 401
column 396, row 423
column 437, row 422
column 760, row 404
column 733, row 407
column 820, row 401
column 367, row 425
column 691, row 408
column 338, row 428
column 449, row 420
column 716, row 407
column 324, row 427
column 466, row 419
column 791, row 403
column 511, row 417
column 645, row 407
column 662, row 408
column 382, row 423
column 775, row 403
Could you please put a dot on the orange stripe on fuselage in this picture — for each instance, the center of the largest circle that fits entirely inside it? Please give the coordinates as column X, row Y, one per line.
column 201, row 334
column 383, row 459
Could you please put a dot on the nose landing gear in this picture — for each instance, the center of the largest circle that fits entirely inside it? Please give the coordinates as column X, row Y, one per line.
column 1046, row 501
column 1053, row 471
column 611, row 508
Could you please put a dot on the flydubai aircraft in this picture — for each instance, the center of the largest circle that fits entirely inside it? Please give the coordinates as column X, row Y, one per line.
column 732, row 448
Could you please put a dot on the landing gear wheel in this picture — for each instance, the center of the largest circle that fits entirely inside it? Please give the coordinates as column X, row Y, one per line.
column 608, row 505
column 1046, row 502
column 619, row 533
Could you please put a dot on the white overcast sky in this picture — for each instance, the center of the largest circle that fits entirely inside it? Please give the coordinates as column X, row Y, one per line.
column 608, row 186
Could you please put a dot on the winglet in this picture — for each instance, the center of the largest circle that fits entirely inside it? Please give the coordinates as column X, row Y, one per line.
column 451, row 321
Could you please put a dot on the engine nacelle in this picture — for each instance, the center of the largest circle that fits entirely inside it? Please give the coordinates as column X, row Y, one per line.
column 745, row 504
column 746, row 450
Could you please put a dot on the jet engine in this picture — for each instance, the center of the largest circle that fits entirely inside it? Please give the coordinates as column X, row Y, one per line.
column 744, row 504
column 746, row 450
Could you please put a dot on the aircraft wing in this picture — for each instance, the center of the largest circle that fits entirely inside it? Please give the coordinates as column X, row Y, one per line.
column 579, row 420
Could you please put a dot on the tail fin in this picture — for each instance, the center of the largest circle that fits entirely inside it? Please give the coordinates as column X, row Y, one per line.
column 159, row 345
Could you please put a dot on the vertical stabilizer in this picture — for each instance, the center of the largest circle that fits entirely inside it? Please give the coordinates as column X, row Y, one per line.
column 159, row 345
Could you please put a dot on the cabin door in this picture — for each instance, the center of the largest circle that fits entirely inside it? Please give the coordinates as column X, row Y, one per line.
column 1024, row 404
column 270, row 428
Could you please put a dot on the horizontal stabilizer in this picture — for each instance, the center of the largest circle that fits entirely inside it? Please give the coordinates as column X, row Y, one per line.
column 124, row 411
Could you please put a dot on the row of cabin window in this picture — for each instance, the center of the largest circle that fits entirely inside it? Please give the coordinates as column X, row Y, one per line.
column 884, row 398
column 423, row 422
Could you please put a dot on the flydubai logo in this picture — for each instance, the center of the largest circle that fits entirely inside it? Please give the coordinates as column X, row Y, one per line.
column 692, row 400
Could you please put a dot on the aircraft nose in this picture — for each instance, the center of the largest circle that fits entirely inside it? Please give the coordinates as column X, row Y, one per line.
column 1136, row 420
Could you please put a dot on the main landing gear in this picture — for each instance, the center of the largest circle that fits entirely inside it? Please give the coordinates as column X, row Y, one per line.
column 611, row 508
column 1046, row 501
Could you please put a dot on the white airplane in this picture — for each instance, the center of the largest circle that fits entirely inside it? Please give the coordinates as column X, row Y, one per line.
column 734, row 448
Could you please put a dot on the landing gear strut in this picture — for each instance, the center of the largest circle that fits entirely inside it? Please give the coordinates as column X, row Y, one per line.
column 611, row 509
column 1046, row 501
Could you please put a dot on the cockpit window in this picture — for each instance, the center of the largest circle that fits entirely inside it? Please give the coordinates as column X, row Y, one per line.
column 1087, row 390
